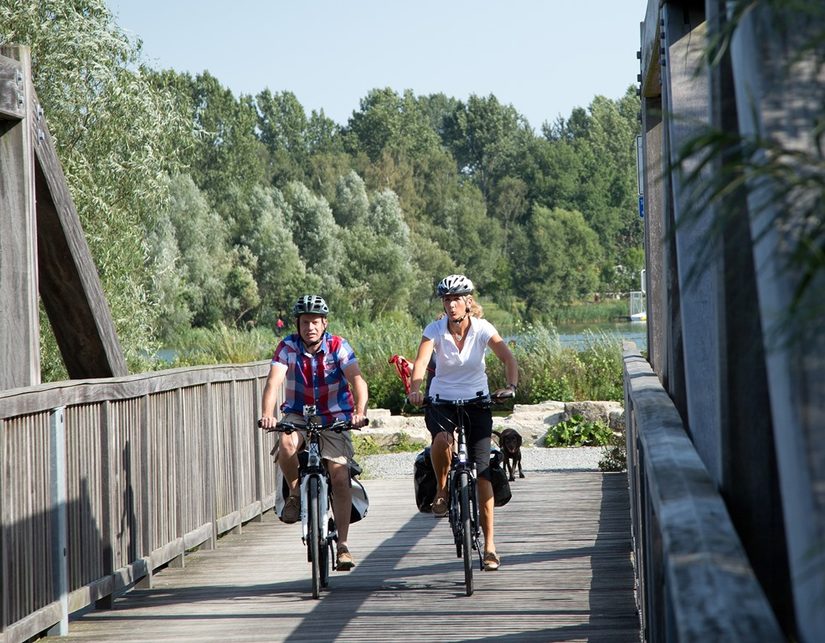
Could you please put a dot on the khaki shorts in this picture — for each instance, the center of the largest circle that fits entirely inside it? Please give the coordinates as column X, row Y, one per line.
column 335, row 446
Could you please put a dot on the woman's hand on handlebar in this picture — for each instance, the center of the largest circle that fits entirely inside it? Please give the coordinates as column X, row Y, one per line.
column 415, row 398
column 503, row 393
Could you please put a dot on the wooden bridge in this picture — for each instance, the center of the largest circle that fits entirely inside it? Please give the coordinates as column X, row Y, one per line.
column 111, row 481
column 567, row 576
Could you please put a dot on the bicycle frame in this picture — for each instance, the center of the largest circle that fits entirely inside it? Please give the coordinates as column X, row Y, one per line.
column 315, row 493
column 462, row 480
column 315, row 469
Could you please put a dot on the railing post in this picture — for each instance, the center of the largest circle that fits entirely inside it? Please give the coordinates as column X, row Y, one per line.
column 259, row 448
column 107, row 488
column 60, row 575
column 146, row 492
column 178, row 456
column 209, row 460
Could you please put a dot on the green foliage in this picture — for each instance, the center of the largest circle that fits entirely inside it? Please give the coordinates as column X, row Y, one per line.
column 266, row 202
column 222, row 345
column 116, row 135
column 365, row 445
column 577, row 432
column 374, row 345
column 614, row 456
column 550, row 371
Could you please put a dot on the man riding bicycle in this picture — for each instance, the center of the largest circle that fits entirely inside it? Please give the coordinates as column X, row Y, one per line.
column 459, row 341
column 319, row 369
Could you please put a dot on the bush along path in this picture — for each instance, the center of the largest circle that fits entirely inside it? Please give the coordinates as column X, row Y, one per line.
column 532, row 421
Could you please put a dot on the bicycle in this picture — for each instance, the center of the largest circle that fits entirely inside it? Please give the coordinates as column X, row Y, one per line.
column 318, row 531
column 461, row 488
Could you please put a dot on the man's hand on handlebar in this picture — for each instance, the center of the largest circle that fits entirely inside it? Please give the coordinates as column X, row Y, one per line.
column 267, row 422
column 359, row 420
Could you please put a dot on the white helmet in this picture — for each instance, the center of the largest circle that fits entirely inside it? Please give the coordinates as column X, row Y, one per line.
column 454, row 285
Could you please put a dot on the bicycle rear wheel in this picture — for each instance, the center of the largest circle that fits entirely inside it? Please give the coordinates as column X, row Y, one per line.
column 314, row 534
column 466, row 530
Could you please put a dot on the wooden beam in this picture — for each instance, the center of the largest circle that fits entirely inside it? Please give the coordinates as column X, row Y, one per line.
column 20, row 328
column 69, row 283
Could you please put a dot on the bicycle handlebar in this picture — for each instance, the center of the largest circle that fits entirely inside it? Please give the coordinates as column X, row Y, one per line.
column 337, row 426
column 479, row 399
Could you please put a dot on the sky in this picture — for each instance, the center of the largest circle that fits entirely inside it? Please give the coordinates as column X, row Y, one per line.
column 543, row 57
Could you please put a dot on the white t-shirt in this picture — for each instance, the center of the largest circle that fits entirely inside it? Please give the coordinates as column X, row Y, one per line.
column 459, row 375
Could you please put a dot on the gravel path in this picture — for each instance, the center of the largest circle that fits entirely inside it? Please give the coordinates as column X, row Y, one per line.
column 400, row 465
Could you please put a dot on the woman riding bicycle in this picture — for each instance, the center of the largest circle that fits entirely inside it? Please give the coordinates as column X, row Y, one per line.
column 321, row 370
column 459, row 341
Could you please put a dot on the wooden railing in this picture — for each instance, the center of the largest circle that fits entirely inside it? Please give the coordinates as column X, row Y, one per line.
column 104, row 481
column 694, row 581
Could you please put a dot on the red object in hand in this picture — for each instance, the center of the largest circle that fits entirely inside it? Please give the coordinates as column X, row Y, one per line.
column 403, row 367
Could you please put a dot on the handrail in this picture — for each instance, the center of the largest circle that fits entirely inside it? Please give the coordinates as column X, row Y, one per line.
column 694, row 580
column 103, row 481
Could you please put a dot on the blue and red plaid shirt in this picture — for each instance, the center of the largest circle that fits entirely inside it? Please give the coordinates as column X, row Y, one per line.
column 317, row 379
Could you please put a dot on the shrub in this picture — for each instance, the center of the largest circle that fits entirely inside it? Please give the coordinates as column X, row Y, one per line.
column 614, row 456
column 365, row 445
column 576, row 432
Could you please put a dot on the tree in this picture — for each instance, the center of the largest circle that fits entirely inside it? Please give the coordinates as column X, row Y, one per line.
column 485, row 137
column 284, row 130
column 352, row 204
column 279, row 271
column 315, row 233
column 203, row 259
column 380, row 267
column 117, row 135
column 387, row 121
column 556, row 259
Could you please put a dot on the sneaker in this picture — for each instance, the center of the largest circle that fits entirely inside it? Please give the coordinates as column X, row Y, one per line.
column 491, row 561
column 440, row 508
column 345, row 561
column 292, row 510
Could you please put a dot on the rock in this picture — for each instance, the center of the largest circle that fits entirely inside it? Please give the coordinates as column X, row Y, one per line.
column 388, row 430
column 593, row 411
column 531, row 420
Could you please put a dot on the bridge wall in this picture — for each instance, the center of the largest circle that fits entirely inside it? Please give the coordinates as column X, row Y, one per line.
column 104, row 481
column 745, row 378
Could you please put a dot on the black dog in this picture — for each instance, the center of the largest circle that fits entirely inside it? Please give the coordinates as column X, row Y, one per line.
column 510, row 442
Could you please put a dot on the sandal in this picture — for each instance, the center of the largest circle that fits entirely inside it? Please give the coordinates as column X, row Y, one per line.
column 491, row 561
column 440, row 508
column 344, row 561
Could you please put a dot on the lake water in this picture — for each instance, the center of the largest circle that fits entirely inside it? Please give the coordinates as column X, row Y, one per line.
column 576, row 336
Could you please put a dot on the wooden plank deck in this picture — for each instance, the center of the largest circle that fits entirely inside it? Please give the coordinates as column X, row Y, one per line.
column 566, row 575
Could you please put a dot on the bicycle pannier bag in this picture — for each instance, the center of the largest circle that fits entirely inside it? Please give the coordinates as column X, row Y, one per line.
column 360, row 501
column 424, row 481
column 498, row 478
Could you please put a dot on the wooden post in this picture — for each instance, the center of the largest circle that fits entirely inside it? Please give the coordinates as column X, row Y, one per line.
column 60, row 540
column 20, row 330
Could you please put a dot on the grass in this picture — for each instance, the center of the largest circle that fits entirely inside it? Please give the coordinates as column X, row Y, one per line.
column 547, row 370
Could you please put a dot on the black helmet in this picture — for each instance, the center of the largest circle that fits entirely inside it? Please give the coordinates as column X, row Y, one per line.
column 310, row 305
column 454, row 285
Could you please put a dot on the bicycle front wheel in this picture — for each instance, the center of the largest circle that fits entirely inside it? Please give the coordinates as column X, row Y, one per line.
column 466, row 530
column 314, row 535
